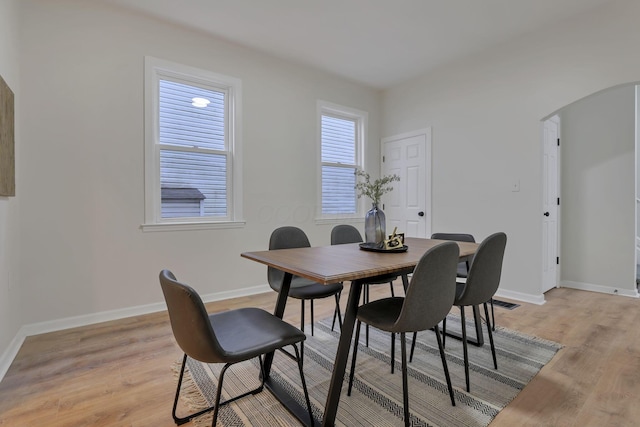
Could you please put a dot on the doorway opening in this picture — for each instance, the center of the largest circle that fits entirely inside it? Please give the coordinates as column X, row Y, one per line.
column 599, row 174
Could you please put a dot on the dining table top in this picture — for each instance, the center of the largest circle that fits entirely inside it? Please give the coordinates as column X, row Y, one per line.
column 348, row 262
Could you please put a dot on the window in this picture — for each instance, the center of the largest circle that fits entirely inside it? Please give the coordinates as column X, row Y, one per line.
column 341, row 145
column 192, row 150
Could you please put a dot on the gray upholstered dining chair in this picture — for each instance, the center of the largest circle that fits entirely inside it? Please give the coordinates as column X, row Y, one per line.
column 481, row 285
column 429, row 297
column 463, row 267
column 301, row 288
column 227, row 337
column 345, row 233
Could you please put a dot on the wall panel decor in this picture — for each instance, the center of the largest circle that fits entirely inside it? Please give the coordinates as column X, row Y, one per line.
column 7, row 160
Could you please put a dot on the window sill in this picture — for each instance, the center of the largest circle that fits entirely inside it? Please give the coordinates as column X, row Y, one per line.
column 188, row 226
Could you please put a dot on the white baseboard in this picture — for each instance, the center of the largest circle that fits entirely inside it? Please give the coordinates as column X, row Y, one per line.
column 89, row 319
column 519, row 296
column 10, row 353
column 633, row 293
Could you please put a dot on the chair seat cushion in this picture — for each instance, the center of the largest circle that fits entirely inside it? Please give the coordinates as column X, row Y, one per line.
column 302, row 288
column 246, row 333
column 459, row 288
column 379, row 280
column 462, row 270
column 382, row 313
column 312, row 290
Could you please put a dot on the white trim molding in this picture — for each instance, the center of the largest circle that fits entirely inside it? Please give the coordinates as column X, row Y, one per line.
column 155, row 71
column 633, row 293
column 519, row 296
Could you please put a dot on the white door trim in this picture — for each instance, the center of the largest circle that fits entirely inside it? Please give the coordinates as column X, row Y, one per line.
column 550, row 239
column 427, row 165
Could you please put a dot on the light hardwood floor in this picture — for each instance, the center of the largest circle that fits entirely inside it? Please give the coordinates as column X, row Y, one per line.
column 118, row 373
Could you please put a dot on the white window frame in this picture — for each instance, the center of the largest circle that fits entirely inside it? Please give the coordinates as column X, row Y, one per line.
column 155, row 70
column 361, row 119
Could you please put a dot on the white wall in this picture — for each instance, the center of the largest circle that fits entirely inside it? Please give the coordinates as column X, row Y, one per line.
column 486, row 112
column 79, row 249
column 9, row 245
column 598, row 190
column 82, row 159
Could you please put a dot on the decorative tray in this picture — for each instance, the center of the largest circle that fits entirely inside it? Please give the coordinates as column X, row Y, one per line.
column 375, row 247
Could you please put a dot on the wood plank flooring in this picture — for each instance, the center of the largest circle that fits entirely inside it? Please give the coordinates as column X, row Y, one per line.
column 118, row 373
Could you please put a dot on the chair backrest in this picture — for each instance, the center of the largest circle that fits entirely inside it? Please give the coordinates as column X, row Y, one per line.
column 432, row 289
column 458, row 237
column 284, row 238
column 190, row 321
column 484, row 276
column 345, row 233
column 463, row 267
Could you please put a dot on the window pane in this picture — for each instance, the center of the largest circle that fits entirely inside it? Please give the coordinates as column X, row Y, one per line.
column 193, row 184
column 184, row 124
column 338, row 140
column 338, row 192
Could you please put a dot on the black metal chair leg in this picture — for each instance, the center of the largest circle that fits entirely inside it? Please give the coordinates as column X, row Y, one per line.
column 493, row 348
column 391, row 286
column 337, row 311
column 218, row 395
column 493, row 317
column 333, row 322
column 217, row 404
column 311, row 302
column 444, row 364
column 183, row 420
column 177, row 419
column 444, row 331
column 302, row 328
column 413, row 346
column 405, row 385
column 464, row 347
column 393, row 351
column 353, row 358
column 365, row 296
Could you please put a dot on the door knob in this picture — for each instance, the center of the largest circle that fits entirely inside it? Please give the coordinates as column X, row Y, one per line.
column 420, row 213
column 546, row 214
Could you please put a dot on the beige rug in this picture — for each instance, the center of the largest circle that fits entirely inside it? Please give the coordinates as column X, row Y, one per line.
column 377, row 396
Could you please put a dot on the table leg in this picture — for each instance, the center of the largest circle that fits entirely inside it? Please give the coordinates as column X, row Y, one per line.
column 340, row 363
column 279, row 312
column 281, row 393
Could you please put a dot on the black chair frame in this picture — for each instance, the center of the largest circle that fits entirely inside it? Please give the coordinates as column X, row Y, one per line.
column 429, row 297
column 217, row 404
column 481, row 285
column 344, row 234
column 298, row 239
column 228, row 337
column 462, row 237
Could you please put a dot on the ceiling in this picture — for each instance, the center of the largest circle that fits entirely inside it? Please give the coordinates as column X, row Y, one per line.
column 375, row 42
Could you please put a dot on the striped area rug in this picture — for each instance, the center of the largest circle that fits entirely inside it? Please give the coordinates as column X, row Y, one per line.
column 377, row 396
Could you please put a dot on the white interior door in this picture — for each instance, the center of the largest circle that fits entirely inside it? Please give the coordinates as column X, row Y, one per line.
column 408, row 206
column 550, row 204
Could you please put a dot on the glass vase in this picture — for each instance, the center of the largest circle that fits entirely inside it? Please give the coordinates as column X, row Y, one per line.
column 374, row 225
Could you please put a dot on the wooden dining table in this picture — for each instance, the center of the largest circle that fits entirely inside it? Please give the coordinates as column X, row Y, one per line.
column 332, row 264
